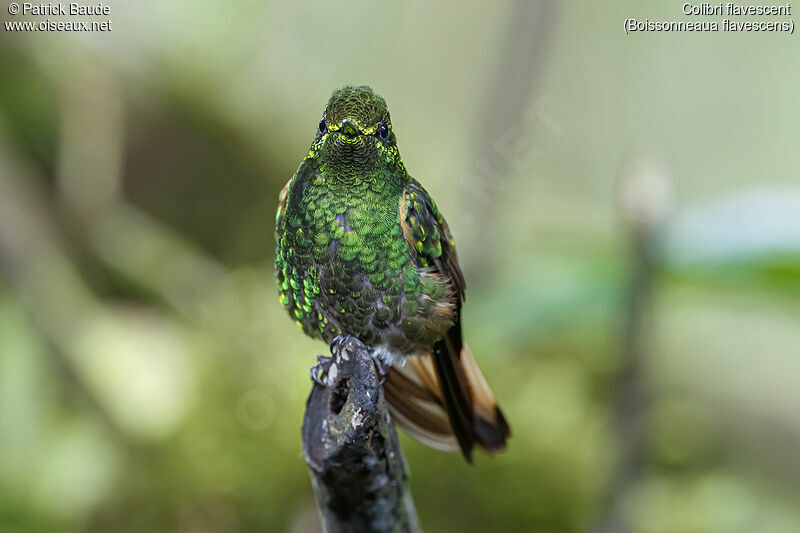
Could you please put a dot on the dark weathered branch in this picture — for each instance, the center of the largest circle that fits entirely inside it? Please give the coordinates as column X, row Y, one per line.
column 357, row 468
column 645, row 200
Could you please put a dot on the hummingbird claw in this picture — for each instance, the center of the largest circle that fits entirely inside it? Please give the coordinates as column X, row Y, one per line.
column 336, row 343
column 320, row 370
column 382, row 365
column 381, row 358
column 383, row 377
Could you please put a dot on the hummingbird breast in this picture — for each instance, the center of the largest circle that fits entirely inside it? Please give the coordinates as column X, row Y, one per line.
column 346, row 268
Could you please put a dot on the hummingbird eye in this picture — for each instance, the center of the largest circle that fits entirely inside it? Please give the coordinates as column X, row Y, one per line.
column 323, row 127
column 383, row 131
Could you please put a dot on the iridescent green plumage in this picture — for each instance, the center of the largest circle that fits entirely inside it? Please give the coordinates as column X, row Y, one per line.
column 363, row 250
column 343, row 262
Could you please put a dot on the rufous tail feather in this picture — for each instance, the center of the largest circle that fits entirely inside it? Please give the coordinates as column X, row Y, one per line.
column 417, row 403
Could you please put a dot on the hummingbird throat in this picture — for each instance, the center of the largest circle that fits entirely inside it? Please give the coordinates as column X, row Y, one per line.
column 350, row 159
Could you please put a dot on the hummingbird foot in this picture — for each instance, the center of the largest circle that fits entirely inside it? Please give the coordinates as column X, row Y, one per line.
column 381, row 356
column 383, row 363
column 320, row 370
column 336, row 343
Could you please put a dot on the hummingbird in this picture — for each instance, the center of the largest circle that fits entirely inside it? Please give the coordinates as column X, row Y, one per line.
column 362, row 250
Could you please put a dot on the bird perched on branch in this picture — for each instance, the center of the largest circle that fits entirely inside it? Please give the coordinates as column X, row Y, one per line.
column 364, row 251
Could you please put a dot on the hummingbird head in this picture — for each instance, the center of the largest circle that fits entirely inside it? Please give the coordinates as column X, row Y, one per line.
column 354, row 138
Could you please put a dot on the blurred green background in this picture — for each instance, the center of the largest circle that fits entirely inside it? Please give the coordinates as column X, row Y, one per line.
column 627, row 212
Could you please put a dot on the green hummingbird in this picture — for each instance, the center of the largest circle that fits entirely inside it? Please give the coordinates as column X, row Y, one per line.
column 362, row 250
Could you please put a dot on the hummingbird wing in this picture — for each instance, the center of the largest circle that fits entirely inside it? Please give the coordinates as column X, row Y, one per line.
column 448, row 379
column 281, row 209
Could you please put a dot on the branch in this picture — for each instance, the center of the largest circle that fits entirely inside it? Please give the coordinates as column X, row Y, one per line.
column 645, row 201
column 357, row 469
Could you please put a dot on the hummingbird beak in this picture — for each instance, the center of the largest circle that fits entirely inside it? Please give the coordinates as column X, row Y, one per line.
column 349, row 128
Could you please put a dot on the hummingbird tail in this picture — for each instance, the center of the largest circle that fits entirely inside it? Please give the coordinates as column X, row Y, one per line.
column 445, row 403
